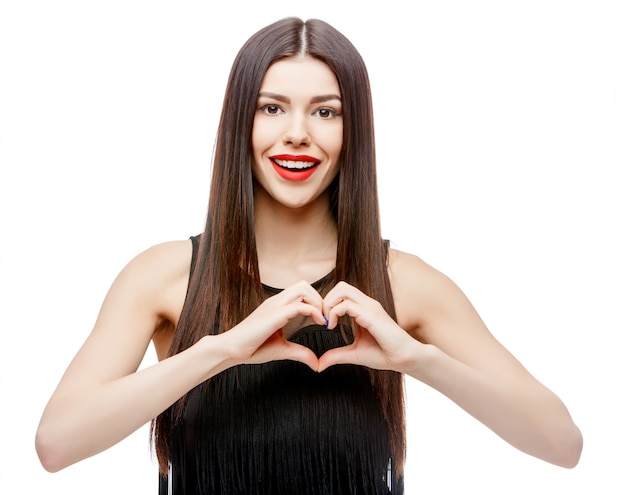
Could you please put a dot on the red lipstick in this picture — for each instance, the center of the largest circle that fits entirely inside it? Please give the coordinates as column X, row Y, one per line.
column 294, row 167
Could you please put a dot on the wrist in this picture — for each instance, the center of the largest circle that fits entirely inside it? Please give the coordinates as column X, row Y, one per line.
column 213, row 351
column 424, row 360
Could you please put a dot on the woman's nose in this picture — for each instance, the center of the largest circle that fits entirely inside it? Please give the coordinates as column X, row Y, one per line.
column 297, row 133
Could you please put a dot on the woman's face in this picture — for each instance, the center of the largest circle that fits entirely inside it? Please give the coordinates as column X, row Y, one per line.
column 298, row 131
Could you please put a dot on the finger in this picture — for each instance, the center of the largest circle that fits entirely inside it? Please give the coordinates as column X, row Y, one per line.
column 342, row 308
column 306, row 309
column 303, row 291
column 339, row 355
column 297, row 352
column 334, row 302
column 343, row 290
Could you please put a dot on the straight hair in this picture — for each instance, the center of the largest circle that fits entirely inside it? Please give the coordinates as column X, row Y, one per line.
column 225, row 285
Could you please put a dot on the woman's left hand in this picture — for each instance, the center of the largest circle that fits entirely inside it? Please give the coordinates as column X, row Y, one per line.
column 379, row 342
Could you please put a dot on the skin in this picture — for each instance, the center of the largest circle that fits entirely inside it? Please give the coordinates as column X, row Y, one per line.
column 439, row 338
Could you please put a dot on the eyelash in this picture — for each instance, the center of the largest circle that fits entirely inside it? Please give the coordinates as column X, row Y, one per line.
column 333, row 113
column 265, row 109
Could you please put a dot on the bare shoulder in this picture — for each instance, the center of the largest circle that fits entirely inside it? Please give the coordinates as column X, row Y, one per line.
column 434, row 310
column 160, row 273
column 162, row 261
column 423, row 294
column 148, row 294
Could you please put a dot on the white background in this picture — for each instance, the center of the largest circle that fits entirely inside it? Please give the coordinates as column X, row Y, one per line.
column 501, row 133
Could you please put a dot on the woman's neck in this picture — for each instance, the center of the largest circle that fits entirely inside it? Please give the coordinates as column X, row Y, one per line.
column 294, row 244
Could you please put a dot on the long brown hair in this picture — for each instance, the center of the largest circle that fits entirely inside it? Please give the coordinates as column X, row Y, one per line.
column 225, row 285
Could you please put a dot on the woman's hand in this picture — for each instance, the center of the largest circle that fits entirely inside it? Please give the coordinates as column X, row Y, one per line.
column 378, row 341
column 259, row 338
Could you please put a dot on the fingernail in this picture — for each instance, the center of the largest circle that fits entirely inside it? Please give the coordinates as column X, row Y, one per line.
column 326, row 319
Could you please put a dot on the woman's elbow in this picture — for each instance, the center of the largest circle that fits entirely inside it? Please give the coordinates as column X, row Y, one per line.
column 569, row 448
column 49, row 450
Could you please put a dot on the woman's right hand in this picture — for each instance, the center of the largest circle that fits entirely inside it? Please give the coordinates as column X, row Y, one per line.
column 259, row 338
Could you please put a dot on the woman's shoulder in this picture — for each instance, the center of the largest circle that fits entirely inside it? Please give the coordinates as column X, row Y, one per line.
column 163, row 261
column 159, row 276
column 410, row 272
column 418, row 289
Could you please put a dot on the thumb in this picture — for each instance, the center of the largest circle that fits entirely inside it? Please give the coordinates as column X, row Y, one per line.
column 339, row 355
column 297, row 352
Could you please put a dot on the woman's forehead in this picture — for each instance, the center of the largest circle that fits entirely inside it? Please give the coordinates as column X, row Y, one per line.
column 300, row 74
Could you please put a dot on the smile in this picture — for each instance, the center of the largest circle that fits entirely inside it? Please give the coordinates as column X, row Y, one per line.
column 295, row 167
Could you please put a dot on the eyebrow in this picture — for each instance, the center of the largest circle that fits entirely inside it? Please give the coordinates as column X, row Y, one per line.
column 285, row 99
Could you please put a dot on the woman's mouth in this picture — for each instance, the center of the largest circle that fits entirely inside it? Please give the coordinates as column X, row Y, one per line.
column 294, row 168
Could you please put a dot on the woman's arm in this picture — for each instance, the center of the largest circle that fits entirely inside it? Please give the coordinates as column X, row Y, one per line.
column 453, row 352
column 102, row 398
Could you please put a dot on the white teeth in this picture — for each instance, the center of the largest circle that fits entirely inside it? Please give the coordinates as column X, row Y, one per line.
column 294, row 165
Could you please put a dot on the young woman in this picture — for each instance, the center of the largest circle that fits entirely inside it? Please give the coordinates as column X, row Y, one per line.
column 284, row 331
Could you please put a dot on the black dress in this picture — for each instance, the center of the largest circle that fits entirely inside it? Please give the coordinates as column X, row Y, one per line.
column 282, row 429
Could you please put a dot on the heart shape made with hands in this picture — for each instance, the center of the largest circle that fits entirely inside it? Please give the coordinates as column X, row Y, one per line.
column 377, row 337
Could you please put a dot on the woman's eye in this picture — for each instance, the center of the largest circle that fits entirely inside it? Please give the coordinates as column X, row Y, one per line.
column 326, row 113
column 271, row 109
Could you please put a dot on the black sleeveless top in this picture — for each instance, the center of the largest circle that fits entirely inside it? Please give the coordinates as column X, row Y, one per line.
column 280, row 428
